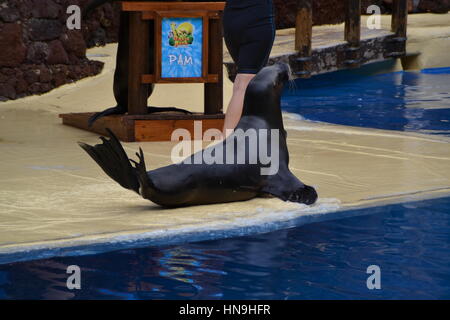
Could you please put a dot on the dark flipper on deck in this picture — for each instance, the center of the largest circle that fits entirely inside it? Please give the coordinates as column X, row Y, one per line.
column 123, row 110
column 111, row 157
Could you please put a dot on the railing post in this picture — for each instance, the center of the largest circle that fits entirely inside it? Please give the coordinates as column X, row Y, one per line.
column 303, row 34
column 397, row 43
column 353, row 33
column 399, row 17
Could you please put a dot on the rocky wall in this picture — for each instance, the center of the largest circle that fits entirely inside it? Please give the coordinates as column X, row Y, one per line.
column 38, row 52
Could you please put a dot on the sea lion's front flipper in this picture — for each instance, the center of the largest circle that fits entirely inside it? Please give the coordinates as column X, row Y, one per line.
column 286, row 186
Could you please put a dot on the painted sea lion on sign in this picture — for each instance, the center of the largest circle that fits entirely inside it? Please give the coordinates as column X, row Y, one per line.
column 241, row 172
column 120, row 86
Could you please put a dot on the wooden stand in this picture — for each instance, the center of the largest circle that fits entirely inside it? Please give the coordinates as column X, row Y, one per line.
column 137, row 125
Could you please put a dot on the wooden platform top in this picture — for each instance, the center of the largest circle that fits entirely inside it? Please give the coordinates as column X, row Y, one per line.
column 165, row 6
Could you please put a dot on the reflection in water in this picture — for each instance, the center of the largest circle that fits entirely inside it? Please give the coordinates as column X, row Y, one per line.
column 326, row 260
column 406, row 101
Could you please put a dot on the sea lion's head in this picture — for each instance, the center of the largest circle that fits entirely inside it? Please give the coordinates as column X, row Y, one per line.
column 263, row 94
column 270, row 79
column 282, row 74
column 277, row 74
column 267, row 86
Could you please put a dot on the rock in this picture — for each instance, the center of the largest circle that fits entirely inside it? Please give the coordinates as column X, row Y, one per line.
column 109, row 11
column 45, row 87
column 98, row 37
column 73, row 59
column 85, row 70
column 14, row 53
column 12, row 81
column 8, row 71
column 97, row 67
column 434, row 6
column 24, row 7
column 42, row 29
column 38, row 52
column 31, row 76
column 324, row 12
column 7, row 91
column 57, row 53
column 72, row 73
column 59, row 79
column 45, row 75
column 366, row 3
column 64, row 69
column 285, row 13
column 45, row 9
column 67, row 3
column 73, row 42
column 35, row 88
column 328, row 12
column 412, row 5
column 21, row 86
column 107, row 18
column 3, row 78
column 9, row 14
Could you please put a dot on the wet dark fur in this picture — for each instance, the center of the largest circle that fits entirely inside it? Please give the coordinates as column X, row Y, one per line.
column 186, row 184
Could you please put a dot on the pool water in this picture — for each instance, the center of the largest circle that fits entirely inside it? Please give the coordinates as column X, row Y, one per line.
column 326, row 260
column 406, row 101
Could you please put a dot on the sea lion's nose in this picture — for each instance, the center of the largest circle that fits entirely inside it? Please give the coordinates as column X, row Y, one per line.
column 283, row 66
column 285, row 71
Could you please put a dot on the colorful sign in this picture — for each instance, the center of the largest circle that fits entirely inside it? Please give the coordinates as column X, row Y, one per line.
column 181, row 47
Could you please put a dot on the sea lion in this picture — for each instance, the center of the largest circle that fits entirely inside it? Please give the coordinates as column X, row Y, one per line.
column 187, row 183
column 120, row 86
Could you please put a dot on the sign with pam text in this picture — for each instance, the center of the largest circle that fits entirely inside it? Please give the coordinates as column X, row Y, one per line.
column 181, row 47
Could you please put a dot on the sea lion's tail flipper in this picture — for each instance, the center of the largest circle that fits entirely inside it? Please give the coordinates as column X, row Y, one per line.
column 111, row 157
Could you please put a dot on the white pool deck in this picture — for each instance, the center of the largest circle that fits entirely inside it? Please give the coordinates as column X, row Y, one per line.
column 54, row 200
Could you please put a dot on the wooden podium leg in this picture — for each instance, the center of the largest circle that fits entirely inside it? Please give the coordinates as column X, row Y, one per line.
column 214, row 91
column 138, row 64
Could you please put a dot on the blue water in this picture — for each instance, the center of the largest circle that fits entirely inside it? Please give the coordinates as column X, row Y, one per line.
column 406, row 101
column 326, row 260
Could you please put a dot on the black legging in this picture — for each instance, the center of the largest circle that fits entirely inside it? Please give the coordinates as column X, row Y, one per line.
column 249, row 31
